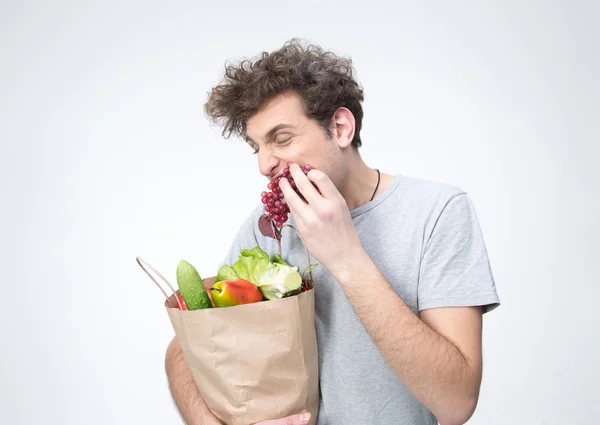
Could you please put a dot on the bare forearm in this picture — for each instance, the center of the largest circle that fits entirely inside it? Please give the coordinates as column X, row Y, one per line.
column 186, row 396
column 432, row 367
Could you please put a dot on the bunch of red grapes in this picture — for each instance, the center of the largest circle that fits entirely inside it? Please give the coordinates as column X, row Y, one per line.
column 274, row 202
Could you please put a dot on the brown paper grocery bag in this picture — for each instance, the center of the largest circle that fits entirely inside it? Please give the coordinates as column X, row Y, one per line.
column 251, row 362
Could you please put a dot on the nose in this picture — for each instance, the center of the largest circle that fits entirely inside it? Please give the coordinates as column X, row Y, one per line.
column 267, row 163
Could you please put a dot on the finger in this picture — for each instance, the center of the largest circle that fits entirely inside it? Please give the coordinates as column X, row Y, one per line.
column 301, row 419
column 324, row 183
column 298, row 208
column 304, row 185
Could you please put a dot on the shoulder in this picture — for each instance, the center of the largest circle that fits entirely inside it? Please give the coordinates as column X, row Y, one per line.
column 431, row 204
column 248, row 229
column 428, row 197
column 432, row 190
column 247, row 235
column 251, row 221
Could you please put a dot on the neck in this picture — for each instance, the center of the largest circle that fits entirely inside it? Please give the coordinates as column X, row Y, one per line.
column 359, row 183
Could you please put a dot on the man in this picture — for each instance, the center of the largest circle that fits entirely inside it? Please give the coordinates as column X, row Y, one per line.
column 404, row 276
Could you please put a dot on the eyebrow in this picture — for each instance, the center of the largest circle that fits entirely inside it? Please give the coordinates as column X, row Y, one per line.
column 271, row 132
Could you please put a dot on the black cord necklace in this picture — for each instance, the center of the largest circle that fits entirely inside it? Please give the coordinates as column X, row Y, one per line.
column 376, row 187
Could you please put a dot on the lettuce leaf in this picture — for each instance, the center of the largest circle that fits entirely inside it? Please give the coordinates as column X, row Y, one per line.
column 226, row 272
column 279, row 281
column 273, row 277
column 277, row 259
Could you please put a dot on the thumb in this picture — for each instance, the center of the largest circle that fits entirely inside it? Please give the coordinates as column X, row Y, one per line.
column 301, row 419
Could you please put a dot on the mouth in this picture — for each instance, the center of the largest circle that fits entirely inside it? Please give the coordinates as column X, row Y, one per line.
column 279, row 173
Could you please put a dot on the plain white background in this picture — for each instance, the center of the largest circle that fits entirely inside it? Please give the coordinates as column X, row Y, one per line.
column 105, row 155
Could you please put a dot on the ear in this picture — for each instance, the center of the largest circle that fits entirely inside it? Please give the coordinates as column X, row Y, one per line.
column 343, row 127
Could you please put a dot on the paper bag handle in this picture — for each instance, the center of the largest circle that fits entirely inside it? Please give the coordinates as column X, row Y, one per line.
column 305, row 249
column 140, row 261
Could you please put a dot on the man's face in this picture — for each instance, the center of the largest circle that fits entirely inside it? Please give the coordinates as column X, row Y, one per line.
column 281, row 132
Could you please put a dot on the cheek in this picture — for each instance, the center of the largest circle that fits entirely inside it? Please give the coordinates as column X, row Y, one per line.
column 318, row 154
column 294, row 153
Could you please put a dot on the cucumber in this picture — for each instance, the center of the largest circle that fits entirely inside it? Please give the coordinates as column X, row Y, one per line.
column 191, row 287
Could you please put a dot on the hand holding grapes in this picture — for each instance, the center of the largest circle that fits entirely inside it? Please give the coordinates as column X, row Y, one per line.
column 321, row 214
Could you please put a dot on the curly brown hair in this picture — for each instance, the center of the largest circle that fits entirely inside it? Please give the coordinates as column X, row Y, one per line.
column 324, row 81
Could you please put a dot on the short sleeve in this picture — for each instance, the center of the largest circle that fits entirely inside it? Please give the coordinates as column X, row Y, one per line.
column 455, row 269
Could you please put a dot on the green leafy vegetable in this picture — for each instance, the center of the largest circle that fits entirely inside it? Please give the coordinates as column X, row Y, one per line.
column 274, row 278
column 277, row 259
column 226, row 273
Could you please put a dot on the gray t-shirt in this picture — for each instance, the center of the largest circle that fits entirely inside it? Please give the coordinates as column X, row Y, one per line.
column 425, row 239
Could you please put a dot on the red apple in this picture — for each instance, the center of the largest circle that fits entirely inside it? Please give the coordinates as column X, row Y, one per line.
column 227, row 293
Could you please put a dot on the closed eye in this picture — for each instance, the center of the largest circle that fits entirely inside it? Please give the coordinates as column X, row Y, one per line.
column 283, row 142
